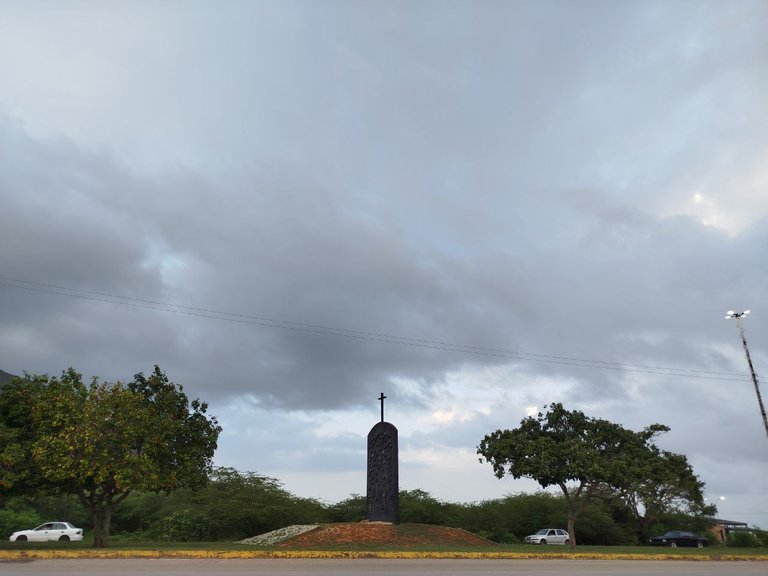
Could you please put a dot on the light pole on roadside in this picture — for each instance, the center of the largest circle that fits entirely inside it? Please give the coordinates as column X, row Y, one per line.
column 738, row 316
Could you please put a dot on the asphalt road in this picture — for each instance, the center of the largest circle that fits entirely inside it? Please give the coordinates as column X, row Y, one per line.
column 382, row 567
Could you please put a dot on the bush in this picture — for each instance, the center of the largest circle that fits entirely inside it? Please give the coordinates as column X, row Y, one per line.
column 14, row 520
column 595, row 526
column 742, row 540
column 513, row 516
column 185, row 526
column 352, row 509
column 420, row 507
column 510, row 538
column 762, row 537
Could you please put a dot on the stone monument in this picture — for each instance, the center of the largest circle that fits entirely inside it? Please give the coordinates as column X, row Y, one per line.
column 383, row 494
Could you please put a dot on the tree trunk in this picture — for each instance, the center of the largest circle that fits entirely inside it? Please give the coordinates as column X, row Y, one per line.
column 100, row 506
column 575, row 502
column 645, row 526
column 101, row 514
column 572, row 526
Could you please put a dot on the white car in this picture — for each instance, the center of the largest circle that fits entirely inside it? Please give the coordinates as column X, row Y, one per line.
column 549, row 536
column 49, row 532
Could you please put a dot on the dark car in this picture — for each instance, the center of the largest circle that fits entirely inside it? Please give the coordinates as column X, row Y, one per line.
column 676, row 538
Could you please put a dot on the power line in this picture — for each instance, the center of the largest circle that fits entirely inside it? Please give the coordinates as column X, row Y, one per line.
column 142, row 303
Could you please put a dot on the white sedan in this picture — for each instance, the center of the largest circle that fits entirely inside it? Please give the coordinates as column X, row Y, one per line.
column 49, row 532
column 549, row 536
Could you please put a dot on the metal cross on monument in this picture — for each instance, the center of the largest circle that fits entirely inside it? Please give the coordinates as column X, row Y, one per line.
column 381, row 399
column 382, row 494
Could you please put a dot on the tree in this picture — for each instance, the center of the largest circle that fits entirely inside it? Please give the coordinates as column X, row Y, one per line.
column 661, row 483
column 17, row 399
column 231, row 506
column 244, row 504
column 569, row 450
column 105, row 440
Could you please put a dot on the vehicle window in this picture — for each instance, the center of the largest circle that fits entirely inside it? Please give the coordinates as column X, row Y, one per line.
column 551, row 533
column 59, row 526
column 560, row 533
column 543, row 531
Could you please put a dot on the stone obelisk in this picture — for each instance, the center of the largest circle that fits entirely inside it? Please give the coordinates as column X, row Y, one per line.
column 383, row 494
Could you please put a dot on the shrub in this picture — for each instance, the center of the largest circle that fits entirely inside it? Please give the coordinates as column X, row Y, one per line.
column 185, row 526
column 510, row 538
column 352, row 509
column 762, row 537
column 14, row 520
column 742, row 540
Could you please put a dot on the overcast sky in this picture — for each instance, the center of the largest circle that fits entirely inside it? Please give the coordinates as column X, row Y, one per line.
column 475, row 207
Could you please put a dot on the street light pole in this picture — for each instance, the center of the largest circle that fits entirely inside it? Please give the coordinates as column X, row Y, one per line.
column 738, row 316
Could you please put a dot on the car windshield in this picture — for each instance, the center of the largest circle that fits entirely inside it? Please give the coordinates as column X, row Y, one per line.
column 543, row 531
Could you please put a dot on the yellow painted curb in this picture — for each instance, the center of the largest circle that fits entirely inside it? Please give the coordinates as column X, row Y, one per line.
column 247, row 554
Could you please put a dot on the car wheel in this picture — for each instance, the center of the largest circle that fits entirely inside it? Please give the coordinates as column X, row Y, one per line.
column 64, row 538
column 542, row 541
column 21, row 538
column 567, row 542
column 673, row 544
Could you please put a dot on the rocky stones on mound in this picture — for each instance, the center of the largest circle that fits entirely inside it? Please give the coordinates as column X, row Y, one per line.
column 366, row 534
column 277, row 536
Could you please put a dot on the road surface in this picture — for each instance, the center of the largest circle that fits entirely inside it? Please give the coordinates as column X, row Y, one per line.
column 382, row 567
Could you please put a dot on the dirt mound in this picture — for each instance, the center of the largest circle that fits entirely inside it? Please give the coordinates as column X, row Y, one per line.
column 372, row 534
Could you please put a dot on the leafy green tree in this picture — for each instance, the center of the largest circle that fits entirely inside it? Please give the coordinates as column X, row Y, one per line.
column 103, row 441
column 661, row 482
column 18, row 397
column 244, row 504
column 232, row 505
column 569, row 450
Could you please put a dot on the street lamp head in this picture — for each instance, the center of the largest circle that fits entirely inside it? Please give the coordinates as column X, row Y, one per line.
column 737, row 315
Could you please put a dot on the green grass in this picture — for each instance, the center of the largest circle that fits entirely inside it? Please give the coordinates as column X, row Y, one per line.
column 119, row 543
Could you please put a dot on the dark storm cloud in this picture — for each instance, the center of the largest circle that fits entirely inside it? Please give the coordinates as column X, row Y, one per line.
column 595, row 279
column 258, row 196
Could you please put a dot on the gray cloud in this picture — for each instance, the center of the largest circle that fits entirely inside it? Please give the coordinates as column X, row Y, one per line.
column 299, row 183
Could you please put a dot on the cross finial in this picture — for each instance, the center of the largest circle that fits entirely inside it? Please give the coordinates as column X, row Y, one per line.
column 381, row 399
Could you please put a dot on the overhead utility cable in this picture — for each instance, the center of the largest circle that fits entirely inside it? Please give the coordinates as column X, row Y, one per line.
column 360, row 334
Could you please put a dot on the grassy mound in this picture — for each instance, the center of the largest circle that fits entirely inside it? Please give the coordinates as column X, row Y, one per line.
column 375, row 535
